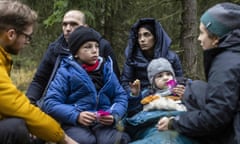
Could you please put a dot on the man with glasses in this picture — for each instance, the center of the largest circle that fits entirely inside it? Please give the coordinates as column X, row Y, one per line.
column 19, row 118
column 46, row 70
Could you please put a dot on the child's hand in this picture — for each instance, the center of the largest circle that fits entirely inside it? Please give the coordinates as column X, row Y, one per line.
column 106, row 120
column 179, row 90
column 135, row 87
column 87, row 118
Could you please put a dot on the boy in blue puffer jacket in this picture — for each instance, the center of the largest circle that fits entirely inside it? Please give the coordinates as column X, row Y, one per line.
column 85, row 95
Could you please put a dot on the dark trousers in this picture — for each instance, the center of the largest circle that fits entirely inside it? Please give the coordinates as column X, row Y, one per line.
column 97, row 134
column 13, row 131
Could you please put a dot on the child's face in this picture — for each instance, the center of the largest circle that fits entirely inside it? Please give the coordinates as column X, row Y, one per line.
column 162, row 78
column 88, row 52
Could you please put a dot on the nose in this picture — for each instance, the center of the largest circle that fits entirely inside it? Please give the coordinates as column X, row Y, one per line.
column 141, row 39
column 94, row 49
column 199, row 38
column 69, row 27
column 166, row 77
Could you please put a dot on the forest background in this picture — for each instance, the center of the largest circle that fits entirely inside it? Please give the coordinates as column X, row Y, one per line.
column 113, row 19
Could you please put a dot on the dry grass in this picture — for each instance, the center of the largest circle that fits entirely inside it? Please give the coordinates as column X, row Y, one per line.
column 22, row 77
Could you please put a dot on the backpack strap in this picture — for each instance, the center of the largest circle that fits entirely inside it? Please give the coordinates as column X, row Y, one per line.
column 56, row 65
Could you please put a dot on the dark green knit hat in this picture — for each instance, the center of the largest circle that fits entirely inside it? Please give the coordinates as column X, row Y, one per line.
column 222, row 18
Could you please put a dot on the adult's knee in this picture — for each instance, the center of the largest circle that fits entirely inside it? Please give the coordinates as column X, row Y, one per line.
column 19, row 127
column 14, row 130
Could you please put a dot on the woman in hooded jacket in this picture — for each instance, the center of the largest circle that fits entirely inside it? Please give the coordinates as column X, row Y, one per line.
column 147, row 41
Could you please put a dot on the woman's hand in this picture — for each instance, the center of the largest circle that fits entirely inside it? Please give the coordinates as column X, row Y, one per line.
column 162, row 124
column 87, row 118
column 179, row 90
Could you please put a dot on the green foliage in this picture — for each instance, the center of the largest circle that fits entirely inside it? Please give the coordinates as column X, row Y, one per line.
column 90, row 17
column 236, row 1
column 58, row 11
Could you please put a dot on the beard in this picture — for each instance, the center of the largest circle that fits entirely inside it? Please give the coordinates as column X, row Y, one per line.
column 12, row 49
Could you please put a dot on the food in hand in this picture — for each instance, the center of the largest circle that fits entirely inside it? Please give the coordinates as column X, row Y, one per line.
column 136, row 82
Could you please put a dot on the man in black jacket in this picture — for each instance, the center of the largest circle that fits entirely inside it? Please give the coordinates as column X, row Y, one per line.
column 45, row 72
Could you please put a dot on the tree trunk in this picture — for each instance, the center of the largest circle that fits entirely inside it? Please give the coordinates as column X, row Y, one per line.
column 108, row 17
column 188, row 40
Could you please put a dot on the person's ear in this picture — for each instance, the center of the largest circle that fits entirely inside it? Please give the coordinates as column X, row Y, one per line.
column 11, row 34
column 215, row 42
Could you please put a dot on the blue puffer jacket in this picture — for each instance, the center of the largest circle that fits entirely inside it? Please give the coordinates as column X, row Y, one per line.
column 136, row 63
column 45, row 69
column 72, row 91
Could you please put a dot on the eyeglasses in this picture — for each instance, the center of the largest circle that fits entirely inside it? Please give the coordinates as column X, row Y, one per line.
column 27, row 36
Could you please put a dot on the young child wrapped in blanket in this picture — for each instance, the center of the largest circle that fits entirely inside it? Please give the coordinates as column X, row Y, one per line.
column 160, row 96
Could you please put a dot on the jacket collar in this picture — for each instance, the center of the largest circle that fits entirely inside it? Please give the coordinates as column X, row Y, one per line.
column 229, row 42
column 5, row 59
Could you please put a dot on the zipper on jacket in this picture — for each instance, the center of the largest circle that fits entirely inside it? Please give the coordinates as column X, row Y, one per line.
column 97, row 101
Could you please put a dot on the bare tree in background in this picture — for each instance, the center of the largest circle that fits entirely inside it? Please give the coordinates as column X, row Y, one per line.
column 188, row 40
